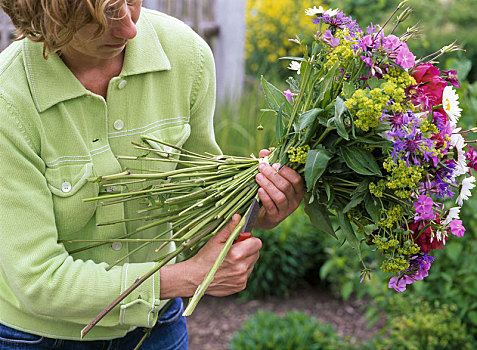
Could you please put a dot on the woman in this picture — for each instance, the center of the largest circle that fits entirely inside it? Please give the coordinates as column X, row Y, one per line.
column 89, row 78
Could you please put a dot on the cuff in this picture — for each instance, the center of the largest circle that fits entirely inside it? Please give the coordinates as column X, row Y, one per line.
column 140, row 308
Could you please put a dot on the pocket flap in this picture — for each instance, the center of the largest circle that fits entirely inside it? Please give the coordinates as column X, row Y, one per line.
column 66, row 181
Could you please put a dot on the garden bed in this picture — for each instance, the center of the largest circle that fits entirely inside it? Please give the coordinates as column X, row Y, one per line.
column 215, row 320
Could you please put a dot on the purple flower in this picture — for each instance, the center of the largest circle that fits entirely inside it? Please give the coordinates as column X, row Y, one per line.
column 451, row 77
column 418, row 269
column 456, row 228
column 411, row 146
column 424, row 208
column 399, row 283
column 329, row 39
column 367, row 60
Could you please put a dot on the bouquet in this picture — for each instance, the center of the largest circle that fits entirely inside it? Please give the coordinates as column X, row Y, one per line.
column 372, row 129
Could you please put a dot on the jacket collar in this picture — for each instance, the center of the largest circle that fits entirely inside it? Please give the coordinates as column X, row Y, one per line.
column 52, row 82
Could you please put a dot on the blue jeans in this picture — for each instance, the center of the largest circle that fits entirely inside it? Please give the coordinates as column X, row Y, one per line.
column 169, row 333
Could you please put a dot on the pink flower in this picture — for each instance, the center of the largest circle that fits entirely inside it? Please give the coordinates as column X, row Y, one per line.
column 424, row 208
column 392, row 42
column 405, row 58
column 429, row 83
column 456, row 228
column 471, row 156
column 289, row 95
column 329, row 39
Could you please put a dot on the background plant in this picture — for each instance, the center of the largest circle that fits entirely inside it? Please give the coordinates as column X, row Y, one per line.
column 270, row 24
column 294, row 331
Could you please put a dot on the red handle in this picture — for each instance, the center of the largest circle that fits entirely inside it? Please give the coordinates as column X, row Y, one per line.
column 243, row 236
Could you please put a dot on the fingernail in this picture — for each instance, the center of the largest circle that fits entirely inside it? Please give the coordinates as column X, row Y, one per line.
column 261, row 167
column 276, row 166
column 259, row 177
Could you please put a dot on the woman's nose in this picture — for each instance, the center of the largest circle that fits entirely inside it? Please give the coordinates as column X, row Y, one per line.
column 125, row 27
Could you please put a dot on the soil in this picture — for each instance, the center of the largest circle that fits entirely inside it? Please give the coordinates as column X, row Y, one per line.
column 215, row 320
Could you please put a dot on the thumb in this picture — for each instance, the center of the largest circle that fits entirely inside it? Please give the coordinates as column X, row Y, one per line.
column 263, row 153
column 222, row 236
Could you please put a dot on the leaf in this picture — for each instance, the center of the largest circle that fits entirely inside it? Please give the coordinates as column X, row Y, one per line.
column 348, row 231
column 348, row 89
column 372, row 207
column 360, row 160
column 326, row 83
column 308, row 118
column 374, row 83
column 316, row 163
column 275, row 97
column 358, row 195
column 346, row 290
column 338, row 119
column 320, row 218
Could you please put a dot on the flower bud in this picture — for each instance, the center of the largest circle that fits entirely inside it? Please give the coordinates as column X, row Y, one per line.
column 260, row 127
column 401, row 4
column 404, row 15
column 451, row 48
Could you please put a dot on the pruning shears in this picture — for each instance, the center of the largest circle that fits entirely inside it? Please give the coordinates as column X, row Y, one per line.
column 252, row 214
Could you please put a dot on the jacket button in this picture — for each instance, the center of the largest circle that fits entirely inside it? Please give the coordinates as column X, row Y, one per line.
column 66, row 187
column 118, row 124
column 117, row 246
column 122, row 84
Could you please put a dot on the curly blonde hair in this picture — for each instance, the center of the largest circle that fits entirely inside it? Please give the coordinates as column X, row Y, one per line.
column 55, row 22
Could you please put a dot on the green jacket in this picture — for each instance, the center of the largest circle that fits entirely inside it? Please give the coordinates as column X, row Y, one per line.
column 54, row 135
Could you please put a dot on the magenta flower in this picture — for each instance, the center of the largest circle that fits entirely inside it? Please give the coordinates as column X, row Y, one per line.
column 471, row 156
column 451, row 77
column 405, row 58
column 329, row 39
column 392, row 43
column 456, row 228
column 424, row 208
column 289, row 95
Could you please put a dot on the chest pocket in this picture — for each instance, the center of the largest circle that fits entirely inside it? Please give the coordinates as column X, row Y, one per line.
column 69, row 185
column 175, row 135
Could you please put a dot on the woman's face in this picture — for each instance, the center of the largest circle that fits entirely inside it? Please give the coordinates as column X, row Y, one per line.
column 113, row 40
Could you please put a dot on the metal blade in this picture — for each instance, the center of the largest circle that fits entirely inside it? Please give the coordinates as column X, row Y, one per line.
column 251, row 216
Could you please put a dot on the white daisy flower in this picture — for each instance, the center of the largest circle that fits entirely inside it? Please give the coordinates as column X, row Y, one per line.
column 458, row 142
column 320, row 10
column 465, row 194
column 453, row 214
column 450, row 102
column 314, row 11
column 294, row 65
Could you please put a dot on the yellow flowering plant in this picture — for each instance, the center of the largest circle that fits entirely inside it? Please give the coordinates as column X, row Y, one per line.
column 373, row 131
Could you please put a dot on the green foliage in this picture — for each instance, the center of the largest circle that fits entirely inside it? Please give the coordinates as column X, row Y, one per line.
column 294, row 331
column 290, row 255
column 236, row 124
column 418, row 325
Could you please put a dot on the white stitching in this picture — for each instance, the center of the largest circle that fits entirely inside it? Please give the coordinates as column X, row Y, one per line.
column 31, row 76
column 88, row 158
column 153, row 299
column 147, row 127
column 78, row 183
column 125, row 287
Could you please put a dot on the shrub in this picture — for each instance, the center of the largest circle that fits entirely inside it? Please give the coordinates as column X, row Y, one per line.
column 294, row 331
column 291, row 254
column 418, row 325
column 270, row 24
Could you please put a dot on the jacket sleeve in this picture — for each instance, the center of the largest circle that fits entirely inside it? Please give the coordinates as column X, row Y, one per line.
column 36, row 272
column 203, row 99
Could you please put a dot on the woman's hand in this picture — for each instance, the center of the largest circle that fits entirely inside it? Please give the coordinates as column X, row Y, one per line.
column 280, row 192
column 182, row 279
